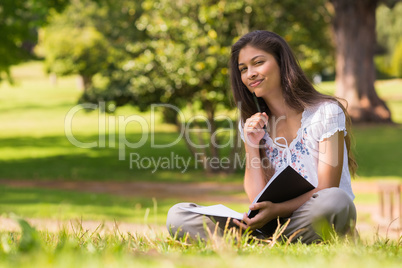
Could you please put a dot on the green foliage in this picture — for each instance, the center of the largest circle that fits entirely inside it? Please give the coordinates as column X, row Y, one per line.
column 176, row 52
column 18, row 27
column 72, row 44
column 90, row 38
column 34, row 147
column 185, row 55
column 33, row 144
column 75, row 51
column 396, row 63
column 389, row 32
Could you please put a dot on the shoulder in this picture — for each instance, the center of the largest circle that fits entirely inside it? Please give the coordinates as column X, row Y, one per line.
column 324, row 119
column 331, row 107
column 324, row 110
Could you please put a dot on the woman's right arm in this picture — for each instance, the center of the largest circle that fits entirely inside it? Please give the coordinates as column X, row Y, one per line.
column 254, row 180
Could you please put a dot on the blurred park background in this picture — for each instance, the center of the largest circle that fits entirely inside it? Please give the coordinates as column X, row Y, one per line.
column 123, row 56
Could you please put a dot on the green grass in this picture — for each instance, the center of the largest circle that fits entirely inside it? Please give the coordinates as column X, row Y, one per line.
column 33, row 143
column 84, row 249
column 33, row 146
column 377, row 151
column 65, row 205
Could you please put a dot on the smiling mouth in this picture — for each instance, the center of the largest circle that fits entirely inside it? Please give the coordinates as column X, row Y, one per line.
column 255, row 83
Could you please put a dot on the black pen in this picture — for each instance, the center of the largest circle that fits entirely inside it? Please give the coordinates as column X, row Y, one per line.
column 259, row 110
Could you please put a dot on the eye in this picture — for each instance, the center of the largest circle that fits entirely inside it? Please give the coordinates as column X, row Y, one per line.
column 259, row 62
column 242, row 69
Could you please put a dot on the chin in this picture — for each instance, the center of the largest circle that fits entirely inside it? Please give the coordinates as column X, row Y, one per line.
column 257, row 92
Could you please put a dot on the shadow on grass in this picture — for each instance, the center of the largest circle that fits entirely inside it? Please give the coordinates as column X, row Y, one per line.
column 378, row 150
column 60, row 204
column 54, row 157
column 26, row 108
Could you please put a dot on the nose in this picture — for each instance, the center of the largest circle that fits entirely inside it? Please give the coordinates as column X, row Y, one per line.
column 251, row 74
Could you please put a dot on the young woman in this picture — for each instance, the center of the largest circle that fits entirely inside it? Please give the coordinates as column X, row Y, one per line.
column 303, row 128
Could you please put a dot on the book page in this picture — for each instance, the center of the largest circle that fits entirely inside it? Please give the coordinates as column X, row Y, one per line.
column 216, row 210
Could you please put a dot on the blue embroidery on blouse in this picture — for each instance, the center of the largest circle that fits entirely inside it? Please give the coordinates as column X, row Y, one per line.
column 274, row 152
column 294, row 158
column 299, row 147
column 299, row 151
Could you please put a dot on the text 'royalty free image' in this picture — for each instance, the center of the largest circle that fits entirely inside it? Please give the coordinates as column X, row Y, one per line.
column 177, row 162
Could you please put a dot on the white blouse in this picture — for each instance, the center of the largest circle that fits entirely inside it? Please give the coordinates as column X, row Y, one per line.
column 318, row 123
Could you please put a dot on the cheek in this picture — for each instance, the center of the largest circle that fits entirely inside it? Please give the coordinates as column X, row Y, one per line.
column 278, row 76
column 243, row 79
column 274, row 73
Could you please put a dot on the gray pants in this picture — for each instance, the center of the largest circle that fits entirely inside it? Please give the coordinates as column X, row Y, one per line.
column 328, row 209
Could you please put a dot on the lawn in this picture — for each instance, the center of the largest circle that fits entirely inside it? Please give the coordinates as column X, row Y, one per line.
column 151, row 249
column 33, row 146
column 33, row 143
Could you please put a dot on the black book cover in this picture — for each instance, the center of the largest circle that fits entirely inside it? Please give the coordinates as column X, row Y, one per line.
column 287, row 185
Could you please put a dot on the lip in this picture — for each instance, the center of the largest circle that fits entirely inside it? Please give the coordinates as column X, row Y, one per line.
column 255, row 83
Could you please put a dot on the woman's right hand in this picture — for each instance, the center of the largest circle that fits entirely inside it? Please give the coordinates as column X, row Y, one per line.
column 253, row 129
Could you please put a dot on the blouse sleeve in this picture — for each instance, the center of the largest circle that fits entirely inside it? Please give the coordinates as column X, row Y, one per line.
column 330, row 119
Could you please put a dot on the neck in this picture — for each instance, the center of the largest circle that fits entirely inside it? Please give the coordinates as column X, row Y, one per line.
column 278, row 106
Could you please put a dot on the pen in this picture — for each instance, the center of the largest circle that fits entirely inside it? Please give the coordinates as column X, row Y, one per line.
column 259, row 110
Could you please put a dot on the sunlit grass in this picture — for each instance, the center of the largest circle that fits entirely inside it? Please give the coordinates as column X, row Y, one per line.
column 67, row 204
column 80, row 248
column 35, row 113
column 33, row 143
column 33, row 146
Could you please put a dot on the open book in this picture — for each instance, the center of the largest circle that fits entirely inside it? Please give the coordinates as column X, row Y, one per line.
column 284, row 185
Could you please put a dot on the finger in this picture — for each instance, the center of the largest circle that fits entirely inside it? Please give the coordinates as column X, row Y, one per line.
column 256, row 222
column 261, row 123
column 262, row 119
column 246, row 219
column 251, row 124
column 254, row 126
column 252, row 224
column 240, row 224
column 257, row 206
column 265, row 116
column 256, row 121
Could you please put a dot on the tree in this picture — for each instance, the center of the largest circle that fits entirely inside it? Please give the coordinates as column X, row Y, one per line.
column 92, row 38
column 73, row 45
column 354, row 25
column 183, row 58
column 18, row 27
column 177, row 52
column 389, row 36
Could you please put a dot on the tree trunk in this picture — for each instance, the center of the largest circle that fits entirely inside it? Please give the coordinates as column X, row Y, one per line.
column 84, row 82
column 354, row 28
column 213, row 154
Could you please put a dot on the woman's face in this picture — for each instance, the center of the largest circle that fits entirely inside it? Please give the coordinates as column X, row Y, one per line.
column 259, row 71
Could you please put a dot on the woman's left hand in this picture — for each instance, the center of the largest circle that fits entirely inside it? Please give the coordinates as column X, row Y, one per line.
column 265, row 214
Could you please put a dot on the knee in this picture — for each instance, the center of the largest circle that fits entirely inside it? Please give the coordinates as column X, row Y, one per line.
column 335, row 206
column 174, row 218
column 331, row 200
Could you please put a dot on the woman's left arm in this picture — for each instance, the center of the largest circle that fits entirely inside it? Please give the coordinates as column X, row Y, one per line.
column 330, row 163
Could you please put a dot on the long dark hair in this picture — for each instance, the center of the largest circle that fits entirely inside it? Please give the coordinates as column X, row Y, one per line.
column 298, row 91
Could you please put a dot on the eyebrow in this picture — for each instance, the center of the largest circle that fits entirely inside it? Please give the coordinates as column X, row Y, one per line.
column 251, row 59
